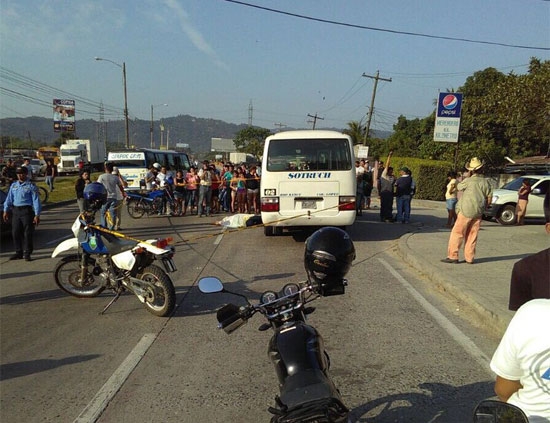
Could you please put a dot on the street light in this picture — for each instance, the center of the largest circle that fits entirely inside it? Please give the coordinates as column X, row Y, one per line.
column 123, row 67
column 152, row 137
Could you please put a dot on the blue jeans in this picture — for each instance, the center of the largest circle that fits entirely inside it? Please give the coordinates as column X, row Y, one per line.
column 205, row 193
column 110, row 206
column 403, row 208
column 49, row 182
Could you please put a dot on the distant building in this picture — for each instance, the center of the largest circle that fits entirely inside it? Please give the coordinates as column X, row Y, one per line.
column 223, row 146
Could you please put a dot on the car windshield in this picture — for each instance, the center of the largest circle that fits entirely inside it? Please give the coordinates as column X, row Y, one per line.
column 516, row 183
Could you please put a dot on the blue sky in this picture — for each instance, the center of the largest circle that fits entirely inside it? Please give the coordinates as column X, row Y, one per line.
column 213, row 58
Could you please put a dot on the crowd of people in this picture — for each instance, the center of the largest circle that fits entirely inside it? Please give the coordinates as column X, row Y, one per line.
column 225, row 187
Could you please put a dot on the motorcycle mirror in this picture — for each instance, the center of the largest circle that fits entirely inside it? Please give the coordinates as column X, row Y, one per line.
column 210, row 285
column 491, row 411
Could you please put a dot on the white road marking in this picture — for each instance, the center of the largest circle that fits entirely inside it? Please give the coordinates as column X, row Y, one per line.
column 445, row 323
column 218, row 239
column 55, row 241
column 96, row 406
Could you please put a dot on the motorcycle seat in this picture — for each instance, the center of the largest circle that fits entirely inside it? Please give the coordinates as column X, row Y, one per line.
column 117, row 245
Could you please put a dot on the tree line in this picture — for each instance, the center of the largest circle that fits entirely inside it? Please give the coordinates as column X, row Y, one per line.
column 502, row 115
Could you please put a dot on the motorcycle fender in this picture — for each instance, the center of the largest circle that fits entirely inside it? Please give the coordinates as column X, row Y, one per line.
column 124, row 260
column 150, row 246
column 69, row 244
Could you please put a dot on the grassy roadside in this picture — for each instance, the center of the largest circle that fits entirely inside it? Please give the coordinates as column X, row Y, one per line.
column 63, row 188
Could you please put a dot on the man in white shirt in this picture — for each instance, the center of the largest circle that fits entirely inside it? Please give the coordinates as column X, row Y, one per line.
column 522, row 361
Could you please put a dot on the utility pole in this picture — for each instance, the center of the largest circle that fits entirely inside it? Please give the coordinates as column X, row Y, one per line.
column 280, row 125
column 371, row 110
column 314, row 119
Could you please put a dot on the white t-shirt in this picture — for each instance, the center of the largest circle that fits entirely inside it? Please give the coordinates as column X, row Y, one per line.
column 161, row 178
column 524, row 354
column 448, row 194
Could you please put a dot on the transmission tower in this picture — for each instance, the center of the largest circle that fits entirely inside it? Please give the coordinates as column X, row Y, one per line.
column 250, row 110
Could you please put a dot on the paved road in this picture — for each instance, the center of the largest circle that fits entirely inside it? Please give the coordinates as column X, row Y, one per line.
column 390, row 356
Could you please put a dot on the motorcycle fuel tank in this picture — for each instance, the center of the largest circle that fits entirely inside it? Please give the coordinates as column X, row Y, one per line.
column 295, row 348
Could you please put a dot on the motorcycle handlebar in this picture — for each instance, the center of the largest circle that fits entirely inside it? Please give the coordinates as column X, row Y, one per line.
column 230, row 318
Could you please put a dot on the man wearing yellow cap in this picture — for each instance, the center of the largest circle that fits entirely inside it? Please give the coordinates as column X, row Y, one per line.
column 477, row 193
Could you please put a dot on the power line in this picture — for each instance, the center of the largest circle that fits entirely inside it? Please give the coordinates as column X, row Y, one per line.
column 23, row 82
column 392, row 31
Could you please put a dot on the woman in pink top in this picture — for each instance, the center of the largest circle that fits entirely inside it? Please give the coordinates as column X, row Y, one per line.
column 191, row 180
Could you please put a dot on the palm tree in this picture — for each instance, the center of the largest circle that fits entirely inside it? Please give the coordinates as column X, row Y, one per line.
column 356, row 131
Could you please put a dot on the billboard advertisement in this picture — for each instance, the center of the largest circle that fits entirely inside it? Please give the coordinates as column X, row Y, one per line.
column 447, row 119
column 63, row 115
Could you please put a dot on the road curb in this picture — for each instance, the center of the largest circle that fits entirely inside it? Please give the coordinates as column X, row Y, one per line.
column 490, row 318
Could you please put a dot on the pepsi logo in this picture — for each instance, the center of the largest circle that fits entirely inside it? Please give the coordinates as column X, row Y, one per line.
column 449, row 102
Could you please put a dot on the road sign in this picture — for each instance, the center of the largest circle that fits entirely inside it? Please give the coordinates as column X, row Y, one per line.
column 447, row 119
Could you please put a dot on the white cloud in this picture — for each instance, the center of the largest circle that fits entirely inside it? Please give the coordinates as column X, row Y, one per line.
column 192, row 33
column 53, row 26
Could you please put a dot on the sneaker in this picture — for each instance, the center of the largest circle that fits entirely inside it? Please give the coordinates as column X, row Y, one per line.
column 16, row 256
column 450, row 261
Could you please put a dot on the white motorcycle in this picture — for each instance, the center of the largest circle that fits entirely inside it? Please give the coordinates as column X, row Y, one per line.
column 101, row 259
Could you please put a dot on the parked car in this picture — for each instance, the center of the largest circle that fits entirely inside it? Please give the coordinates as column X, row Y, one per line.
column 38, row 167
column 503, row 204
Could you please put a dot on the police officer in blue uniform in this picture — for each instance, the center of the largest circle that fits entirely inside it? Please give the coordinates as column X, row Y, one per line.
column 24, row 203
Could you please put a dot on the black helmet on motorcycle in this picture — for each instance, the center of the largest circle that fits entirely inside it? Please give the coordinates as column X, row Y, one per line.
column 327, row 259
column 95, row 195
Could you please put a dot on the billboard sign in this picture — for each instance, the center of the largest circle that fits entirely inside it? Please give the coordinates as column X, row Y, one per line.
column 363, row 152
column 63, row 115
column 447, row 119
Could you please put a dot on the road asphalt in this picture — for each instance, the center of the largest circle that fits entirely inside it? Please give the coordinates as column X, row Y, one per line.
column 485, row 285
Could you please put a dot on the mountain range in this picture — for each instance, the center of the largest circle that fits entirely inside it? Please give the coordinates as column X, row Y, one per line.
column 196, row 132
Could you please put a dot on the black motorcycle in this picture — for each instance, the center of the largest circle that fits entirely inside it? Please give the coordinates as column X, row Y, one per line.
column 307, row 393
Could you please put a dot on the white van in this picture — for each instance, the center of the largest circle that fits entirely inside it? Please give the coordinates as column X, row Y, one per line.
column 307, row 179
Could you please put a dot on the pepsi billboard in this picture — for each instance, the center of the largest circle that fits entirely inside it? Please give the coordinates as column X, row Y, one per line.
column 449, row 105
column 447, row 119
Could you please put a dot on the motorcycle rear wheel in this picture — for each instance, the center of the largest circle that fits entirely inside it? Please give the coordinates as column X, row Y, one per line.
column 67, row 276
column 160, row 298
column 136, row 209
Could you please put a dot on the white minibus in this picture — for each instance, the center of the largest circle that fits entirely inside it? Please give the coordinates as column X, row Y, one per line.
column 308, row 179
column 133, row 165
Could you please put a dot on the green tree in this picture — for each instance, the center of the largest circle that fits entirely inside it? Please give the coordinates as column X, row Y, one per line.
column 356, row 131
column 251, row 140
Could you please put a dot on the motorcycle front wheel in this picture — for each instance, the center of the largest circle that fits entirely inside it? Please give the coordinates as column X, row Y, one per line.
column 135, row 209
column 160, row 297
column 68, row 277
